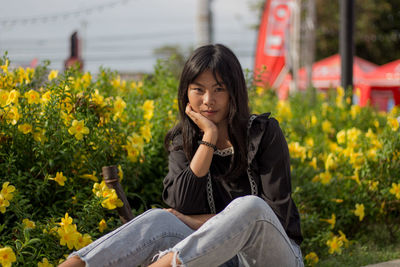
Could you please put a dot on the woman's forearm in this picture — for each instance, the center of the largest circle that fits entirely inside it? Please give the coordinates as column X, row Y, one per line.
column 201, row 161
column 199, row 220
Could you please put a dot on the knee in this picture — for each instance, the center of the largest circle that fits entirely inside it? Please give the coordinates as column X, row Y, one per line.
column 251, row 205
column 159, row 215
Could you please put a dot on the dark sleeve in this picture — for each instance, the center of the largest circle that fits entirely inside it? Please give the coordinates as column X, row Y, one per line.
column 274, row 170
column 183, row 190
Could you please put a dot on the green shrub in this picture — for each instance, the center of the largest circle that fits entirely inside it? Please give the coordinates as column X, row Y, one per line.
column 57, row 130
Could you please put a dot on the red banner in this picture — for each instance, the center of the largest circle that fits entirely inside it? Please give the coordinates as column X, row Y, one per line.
column 273, row 42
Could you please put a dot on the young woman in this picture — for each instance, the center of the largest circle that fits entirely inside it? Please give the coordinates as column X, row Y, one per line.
column 228, row 185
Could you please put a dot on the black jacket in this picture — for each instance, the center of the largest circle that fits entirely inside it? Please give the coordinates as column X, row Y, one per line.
column 269, row 172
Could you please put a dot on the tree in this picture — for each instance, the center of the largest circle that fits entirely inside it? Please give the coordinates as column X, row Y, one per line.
column 377, row 28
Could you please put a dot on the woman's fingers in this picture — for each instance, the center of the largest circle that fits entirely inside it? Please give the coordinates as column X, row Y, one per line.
column 202, row 122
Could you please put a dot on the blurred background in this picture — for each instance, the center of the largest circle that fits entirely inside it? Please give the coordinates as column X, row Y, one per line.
column 124, row 35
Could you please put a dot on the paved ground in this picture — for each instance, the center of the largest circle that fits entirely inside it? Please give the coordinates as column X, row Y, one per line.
column 395, row 263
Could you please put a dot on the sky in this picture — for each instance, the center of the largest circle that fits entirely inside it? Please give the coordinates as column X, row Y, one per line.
column 118, row 34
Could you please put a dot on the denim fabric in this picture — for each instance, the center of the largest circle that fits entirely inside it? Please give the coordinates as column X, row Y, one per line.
column 246, row 233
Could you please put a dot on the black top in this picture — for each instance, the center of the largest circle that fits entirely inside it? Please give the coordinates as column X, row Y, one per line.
column 269, row 167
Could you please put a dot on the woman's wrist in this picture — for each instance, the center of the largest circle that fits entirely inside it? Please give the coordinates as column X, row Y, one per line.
column 211, row 136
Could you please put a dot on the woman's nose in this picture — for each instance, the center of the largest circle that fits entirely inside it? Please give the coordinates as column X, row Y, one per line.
column 208, row 99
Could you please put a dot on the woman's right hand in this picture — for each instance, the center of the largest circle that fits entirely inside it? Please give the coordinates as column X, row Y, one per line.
column 206, row 125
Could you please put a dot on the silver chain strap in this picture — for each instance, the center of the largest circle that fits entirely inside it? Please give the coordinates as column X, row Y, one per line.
column 210, row 196
column 253, row 185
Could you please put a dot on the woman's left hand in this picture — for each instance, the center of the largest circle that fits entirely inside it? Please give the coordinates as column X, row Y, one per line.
column 193, row 221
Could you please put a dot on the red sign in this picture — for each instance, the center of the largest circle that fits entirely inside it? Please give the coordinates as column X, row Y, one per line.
column 273, row 41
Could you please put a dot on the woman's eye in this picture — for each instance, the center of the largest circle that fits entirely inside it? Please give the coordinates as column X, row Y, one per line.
column 220, row 89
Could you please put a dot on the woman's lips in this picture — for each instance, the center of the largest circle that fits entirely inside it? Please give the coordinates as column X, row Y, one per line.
column 209, row 112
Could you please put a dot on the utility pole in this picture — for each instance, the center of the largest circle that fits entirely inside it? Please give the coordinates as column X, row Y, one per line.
column 204, row 28
column 310, row 41
column 346, row 44
column 295, row 44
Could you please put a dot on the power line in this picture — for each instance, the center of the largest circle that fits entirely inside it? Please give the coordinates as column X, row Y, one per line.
column 50, row 18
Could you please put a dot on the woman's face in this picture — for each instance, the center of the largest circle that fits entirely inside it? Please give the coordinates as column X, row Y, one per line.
column 209, row 98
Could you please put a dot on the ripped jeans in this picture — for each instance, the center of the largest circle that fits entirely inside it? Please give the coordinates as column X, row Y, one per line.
column 246, row 233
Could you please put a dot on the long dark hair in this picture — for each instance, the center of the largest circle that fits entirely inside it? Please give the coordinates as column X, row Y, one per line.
column 223, row 63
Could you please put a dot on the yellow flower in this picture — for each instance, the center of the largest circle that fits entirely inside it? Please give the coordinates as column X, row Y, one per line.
column 111, row 200
column 175, row 105
column 5, row 66
column 339, row 96
column 393, row 124
column 78, row 129
column 331, row 221
column 145, row 130
column 6, row 194
column 52, row 75
column 102, row 225
column 337, row 200
column 134, row 147
column 356, row 176
column 44, row 263
column 98, row 99
column 119, row 106
column 82, row 241
column 7, row 256
column 66, row 221
column 311, row 258
column 330, row 163
column 373, row 186
column 259, row 90
column 13, row 97
column 353, row 135
column 395, row 190
column 335, row 245
column 359, row 211
column 25, row 128
column 3, row 97
column 297, row 151
column 87, row 79
column 68, row 235
column 358, row 92
column 90, row 176
column 32, row 96
column 313, row 163
column 39, row 135
column 120, row 173
column 46, row 97
column 7, row 190
column 148, row 107
column 334, row 147
column 313, row 120
column 327, row 127
column 29, row 224
column 283, row 109
column 309, row 142
column 60, row 178
column 325, row 177
column 376, row 123
column 12, row 115
column 343, row 238
column 4, row 203
column 354, row 111
column 370, row 134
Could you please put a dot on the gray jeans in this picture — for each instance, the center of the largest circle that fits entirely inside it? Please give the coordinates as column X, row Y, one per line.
column 246, row 233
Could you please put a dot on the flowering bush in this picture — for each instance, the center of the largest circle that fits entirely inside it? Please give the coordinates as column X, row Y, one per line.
column 57, row 130
column 345, row 167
